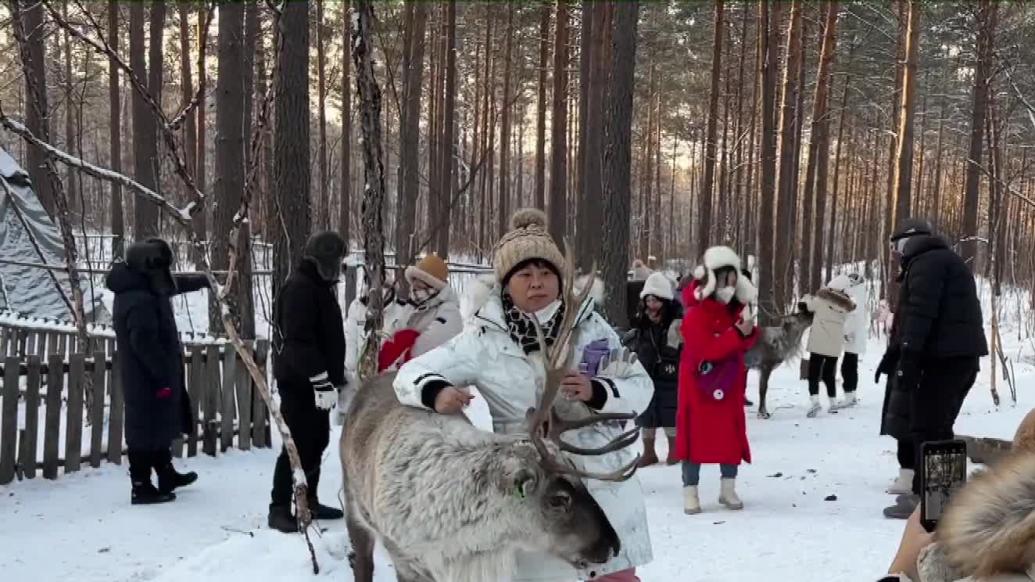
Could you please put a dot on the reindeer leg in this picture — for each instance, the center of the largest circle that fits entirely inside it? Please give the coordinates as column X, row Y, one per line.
column 361, row 558
column 763, row 388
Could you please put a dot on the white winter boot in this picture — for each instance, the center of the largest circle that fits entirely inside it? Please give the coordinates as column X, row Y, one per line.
column 728, row 495
column 903, row 484
column 814, row 407
column 847, row 402
column 691, row 502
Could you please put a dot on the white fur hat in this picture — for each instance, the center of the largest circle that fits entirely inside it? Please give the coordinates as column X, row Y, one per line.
column 716, row 258
column 659, row 286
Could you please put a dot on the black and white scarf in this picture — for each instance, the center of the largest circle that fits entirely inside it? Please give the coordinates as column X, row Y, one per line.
column 522, row 328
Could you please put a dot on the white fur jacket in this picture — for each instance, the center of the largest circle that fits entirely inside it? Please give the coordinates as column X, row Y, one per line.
column 485, row 356
column 988, row 531
column 857, row 326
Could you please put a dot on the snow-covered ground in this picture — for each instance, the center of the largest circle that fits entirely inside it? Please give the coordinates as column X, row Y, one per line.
column 81, row 527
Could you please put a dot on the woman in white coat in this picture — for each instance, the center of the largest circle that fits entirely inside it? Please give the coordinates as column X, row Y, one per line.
column 856, row 333
column 499, row 353
column 830, row 308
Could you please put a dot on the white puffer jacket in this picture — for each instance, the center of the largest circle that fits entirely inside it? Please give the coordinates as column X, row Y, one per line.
column 831, row 309
column 485, row 356
column 437, row 321
column 857, row 326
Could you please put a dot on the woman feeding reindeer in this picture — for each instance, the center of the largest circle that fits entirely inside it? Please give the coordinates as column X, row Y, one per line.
column 502, row 355
column 718, row 330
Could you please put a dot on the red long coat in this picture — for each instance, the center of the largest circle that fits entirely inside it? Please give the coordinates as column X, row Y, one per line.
column 707, row 430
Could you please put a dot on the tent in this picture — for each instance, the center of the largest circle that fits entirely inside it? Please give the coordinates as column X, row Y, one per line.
column 29, row 240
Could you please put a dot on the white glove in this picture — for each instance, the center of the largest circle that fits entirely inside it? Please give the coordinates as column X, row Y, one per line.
column 618, row 363
column 323, row 391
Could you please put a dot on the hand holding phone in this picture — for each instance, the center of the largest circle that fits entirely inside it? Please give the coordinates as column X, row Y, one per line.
column 944, row 472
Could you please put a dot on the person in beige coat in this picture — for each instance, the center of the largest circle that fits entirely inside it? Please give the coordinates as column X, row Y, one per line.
column 830, row 309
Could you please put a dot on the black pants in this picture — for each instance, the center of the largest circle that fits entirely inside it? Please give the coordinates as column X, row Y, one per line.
column 936, row 402
column 906, row 454
column 850, row 371
column 311, row 429
column 825, row 368
column 141, row 462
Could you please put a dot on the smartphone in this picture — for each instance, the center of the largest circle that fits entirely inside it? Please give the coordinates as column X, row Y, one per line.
column 943, row 473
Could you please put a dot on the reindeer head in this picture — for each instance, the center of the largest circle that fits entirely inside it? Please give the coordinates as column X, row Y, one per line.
column 579, row 531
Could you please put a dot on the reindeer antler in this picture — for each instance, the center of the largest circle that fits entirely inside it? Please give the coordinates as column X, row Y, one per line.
column 543, row 420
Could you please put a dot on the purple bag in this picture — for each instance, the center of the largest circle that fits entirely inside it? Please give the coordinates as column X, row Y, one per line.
column 592, row 356
column 717, row 379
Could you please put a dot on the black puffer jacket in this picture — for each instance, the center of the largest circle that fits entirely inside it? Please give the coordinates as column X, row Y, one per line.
column 311, row 331
column 939, row 312
column 150, row 357
column 658, row 347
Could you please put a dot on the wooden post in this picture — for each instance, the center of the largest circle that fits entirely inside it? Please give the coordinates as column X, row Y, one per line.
column 52, row 425
column 9, row 419
column 226, row 429
column 116, row 411
column 32, row 405
column 211, row 399
column 196, row 391
column 244, row 407
column 74, row 418
column 97, row 409
column 260, row 436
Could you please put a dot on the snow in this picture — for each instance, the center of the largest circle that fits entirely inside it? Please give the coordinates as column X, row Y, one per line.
column 82, row 527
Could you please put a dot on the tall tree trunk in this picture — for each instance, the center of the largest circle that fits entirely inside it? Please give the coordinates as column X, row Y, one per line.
column 705, row 229
column 782, row 267
column 559, row 122
column 291, row 161
column 904, row 155
column 70, row 130
column 145, row 145
column 37, row 118
column 322, row 205
column 229, row 138
column 448, row 140
column 190, row 126
column 837, row 177
column 540, row 127
column 200, row 220
column 345, row 188
column 590, row 214
column 373, row 169
column 118, row 229
column 819, row 156
column 769, row 41
column 617, row 165
column 245, row 297
column 503, row 206
column 409, row 131
column 986, row 23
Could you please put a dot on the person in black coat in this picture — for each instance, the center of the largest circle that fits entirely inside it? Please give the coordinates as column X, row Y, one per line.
column 151, row 361
column 937, row 341
column 656, row 338
column 309, row 366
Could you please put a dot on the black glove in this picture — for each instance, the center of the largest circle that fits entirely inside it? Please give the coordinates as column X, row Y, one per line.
column 888, row 363
column 908, row 374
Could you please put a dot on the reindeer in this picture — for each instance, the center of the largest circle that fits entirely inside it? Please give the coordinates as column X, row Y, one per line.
column 777, row 345
column 452, row 503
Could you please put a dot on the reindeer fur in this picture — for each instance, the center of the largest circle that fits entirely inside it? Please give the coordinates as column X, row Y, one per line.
column 777, row 345
column 439, row 493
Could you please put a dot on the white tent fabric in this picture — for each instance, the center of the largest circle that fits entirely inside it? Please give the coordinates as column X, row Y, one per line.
column 28, row 235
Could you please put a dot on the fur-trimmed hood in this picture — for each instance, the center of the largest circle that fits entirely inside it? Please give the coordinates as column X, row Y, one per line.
column 716, row 258
column 838, row 298
column 989, row 528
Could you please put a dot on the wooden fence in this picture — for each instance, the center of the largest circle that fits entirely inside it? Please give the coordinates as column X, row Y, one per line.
column 85, row 426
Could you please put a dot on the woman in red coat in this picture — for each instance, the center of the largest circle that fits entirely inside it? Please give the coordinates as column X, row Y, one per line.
column 717, row 330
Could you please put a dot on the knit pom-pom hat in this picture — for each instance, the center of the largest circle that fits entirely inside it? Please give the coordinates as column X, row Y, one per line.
column 527, row 240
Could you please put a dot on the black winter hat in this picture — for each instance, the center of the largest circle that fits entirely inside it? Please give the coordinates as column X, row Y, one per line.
column 912, row 227
column 325, row 250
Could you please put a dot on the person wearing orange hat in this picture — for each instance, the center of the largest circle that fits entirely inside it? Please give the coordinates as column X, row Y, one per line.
column 431, row 318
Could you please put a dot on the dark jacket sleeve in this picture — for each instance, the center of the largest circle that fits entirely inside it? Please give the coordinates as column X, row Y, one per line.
column 299, row 328
column 142, row 325
column 189, row 283
column 925, row 281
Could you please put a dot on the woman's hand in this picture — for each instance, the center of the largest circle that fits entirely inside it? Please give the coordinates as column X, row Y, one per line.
column 452, row 400
column 914, row 539
column 745, row 327
column 575, row 386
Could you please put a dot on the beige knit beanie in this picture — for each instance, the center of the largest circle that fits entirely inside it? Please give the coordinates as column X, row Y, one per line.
column 528, row 239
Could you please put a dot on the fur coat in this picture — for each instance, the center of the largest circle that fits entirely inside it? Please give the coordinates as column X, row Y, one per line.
column 830, row 309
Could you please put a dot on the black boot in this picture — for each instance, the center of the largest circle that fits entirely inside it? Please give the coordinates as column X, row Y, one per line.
column 144, row 492
column 168, row 478
column 321, row 511
column 280, row 519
